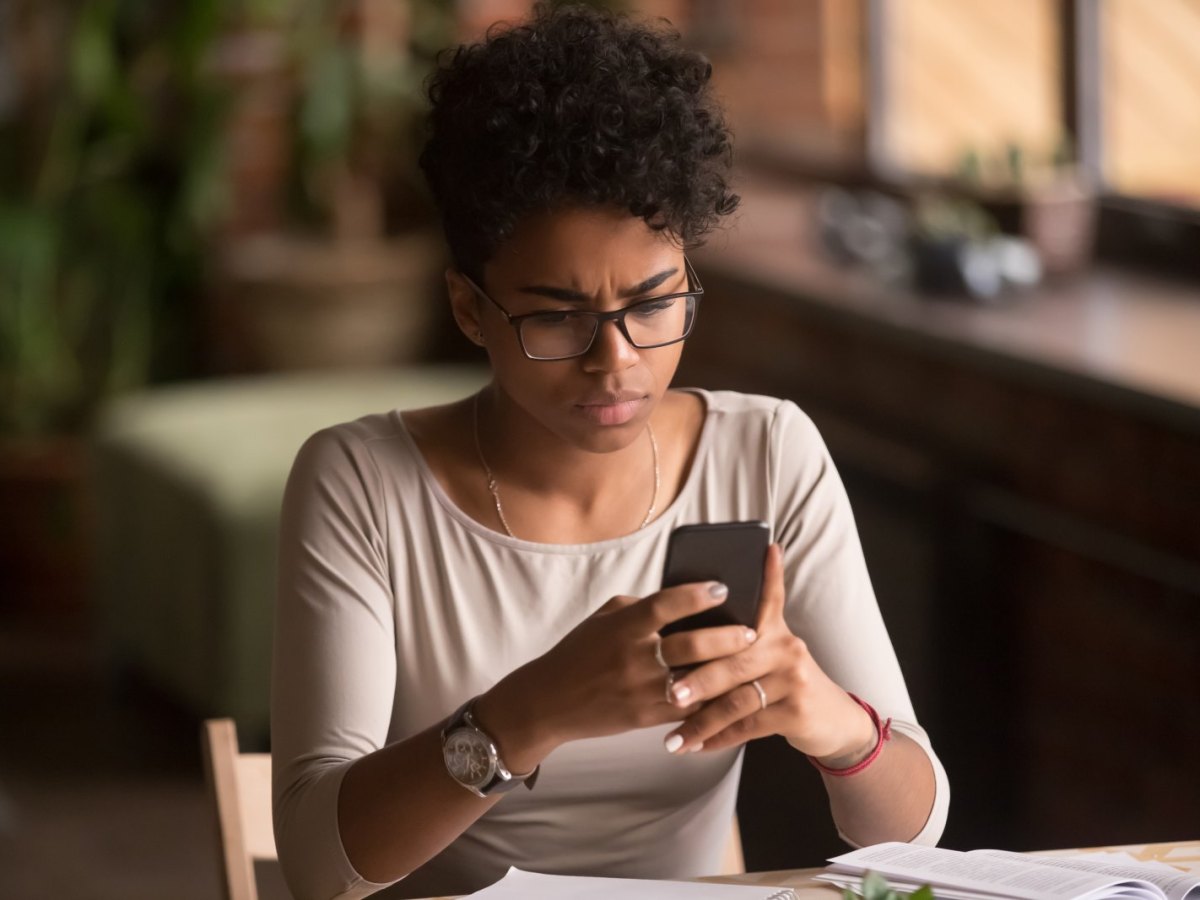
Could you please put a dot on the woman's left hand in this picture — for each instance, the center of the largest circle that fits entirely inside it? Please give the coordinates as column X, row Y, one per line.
column 797, row 699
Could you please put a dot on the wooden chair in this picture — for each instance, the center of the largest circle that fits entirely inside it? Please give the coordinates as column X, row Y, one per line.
column 239, row 785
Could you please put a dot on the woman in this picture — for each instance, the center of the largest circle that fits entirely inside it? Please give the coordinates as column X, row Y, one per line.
column 468, row 670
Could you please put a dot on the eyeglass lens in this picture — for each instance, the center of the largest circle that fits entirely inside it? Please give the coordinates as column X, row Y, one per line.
column 570, row 333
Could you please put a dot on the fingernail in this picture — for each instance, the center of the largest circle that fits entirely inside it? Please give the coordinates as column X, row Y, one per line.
column 673, row 742
column 681, row 692
column 751, row 635
column 718, row 590
column 696, row 748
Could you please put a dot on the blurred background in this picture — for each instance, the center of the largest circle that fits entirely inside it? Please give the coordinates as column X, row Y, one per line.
column 968, row 248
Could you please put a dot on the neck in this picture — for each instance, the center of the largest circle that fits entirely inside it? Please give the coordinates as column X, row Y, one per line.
column 541, row 513
column 526, row 455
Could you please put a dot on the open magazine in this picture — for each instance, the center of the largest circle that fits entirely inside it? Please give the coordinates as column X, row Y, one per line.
column 989, row 874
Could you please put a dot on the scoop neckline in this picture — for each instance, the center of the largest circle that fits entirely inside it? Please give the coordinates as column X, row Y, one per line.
column 480, row 530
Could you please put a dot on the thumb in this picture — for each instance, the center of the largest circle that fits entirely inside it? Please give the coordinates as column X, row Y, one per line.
column 773, row 592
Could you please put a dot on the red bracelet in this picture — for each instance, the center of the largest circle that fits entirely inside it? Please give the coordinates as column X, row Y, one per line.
column 884, row 731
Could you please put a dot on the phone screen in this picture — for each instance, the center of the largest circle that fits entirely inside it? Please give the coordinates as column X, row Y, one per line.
column 730, row 552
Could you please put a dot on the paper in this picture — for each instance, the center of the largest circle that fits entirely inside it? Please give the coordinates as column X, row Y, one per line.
column 520, row 885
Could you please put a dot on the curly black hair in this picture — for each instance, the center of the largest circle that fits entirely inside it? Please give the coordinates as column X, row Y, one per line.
column 575, row 106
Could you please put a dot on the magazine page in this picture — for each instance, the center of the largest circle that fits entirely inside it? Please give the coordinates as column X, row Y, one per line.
column 1175, row 884
column 943, row 892
column 999, row 875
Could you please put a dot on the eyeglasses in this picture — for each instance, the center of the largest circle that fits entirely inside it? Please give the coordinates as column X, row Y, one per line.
column 565, row 334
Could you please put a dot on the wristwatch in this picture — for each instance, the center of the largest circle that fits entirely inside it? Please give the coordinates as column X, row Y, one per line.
column 473, row 760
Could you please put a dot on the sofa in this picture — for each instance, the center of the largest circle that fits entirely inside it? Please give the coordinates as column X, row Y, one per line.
column 187, row 483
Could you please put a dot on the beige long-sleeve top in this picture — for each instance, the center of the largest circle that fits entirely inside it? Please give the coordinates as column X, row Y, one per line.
column 395, row 607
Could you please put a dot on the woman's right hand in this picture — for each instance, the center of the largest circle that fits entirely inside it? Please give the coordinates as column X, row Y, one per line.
column 604, row 676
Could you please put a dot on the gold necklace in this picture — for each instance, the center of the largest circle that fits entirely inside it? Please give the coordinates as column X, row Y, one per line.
column 491, row 479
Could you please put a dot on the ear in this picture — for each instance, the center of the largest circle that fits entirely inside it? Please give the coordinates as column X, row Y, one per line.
column 464, row 304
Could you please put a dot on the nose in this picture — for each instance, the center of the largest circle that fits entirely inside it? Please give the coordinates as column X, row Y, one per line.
column 610, row 351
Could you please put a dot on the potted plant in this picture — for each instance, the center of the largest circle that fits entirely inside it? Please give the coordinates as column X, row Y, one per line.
column 1044, row 199
column 104, row 204
column 349, row 278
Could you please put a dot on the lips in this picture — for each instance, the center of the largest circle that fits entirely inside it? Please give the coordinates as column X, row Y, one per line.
column 612, row 409
column 612, row 398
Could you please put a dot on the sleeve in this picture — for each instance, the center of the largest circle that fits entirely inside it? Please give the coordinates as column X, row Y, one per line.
column 334, row 665
column 831, row 603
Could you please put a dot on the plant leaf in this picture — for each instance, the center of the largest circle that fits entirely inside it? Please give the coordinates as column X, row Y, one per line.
column 327, row 116
column 875, row 887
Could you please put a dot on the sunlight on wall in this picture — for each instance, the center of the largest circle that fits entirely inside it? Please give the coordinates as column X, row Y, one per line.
column 970, row 75
column 1152, row 97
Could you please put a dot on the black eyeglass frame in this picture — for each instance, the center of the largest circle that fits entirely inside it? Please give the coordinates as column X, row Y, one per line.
column 695, row 290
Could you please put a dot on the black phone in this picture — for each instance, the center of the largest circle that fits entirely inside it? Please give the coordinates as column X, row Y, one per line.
column 730, row 552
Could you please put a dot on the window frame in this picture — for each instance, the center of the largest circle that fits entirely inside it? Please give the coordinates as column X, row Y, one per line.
column 1131, row 230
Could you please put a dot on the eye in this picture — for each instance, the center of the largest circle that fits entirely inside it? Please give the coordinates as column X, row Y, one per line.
column 554, row 318
column 651, row 308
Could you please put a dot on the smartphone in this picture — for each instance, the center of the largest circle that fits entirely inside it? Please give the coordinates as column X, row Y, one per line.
column 730, row 552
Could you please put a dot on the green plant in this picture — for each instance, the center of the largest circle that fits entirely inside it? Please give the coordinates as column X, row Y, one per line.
column 110, row 175
column 361, row 71
column 875, row 887
column 938, row 216
column 1016, row 166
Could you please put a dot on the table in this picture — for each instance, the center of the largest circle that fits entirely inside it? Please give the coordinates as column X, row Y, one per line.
column 1184, row 854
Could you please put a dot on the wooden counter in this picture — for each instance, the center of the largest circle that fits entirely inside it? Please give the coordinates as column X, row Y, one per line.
column 1026, row 479
column 1128, row 338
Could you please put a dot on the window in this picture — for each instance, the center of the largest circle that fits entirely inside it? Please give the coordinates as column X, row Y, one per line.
column 960, row 82
column 1149, row 61
column 1114, row 82
column 1112, row 85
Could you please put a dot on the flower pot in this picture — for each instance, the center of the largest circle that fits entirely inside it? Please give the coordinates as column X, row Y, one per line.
column 304, row 303
column 1058, row 218
column 45, row 530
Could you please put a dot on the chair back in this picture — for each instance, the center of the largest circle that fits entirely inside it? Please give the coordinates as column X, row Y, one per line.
column 239, row 785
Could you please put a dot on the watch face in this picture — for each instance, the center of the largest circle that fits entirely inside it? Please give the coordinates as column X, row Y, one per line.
column 468, row 757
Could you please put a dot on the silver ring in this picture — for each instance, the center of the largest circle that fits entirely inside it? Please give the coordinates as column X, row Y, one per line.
column 762, row 695
column 659, row 657
column 670, row 684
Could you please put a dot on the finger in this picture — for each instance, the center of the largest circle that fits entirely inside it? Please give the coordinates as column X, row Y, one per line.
column 705, row 644
column 665, row 714
column 717, row 677
column 773, row 597
column 737, row 716
column 616, row 603
column 673, row 711
column 675, row 603
column 740, row 732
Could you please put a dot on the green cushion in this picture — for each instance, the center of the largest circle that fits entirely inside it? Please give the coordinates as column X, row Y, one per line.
column 188, row 482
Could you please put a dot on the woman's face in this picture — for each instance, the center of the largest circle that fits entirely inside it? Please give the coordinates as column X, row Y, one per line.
column 585, row 258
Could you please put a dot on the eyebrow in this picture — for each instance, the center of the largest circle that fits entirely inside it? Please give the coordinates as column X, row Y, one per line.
column 572, row 296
